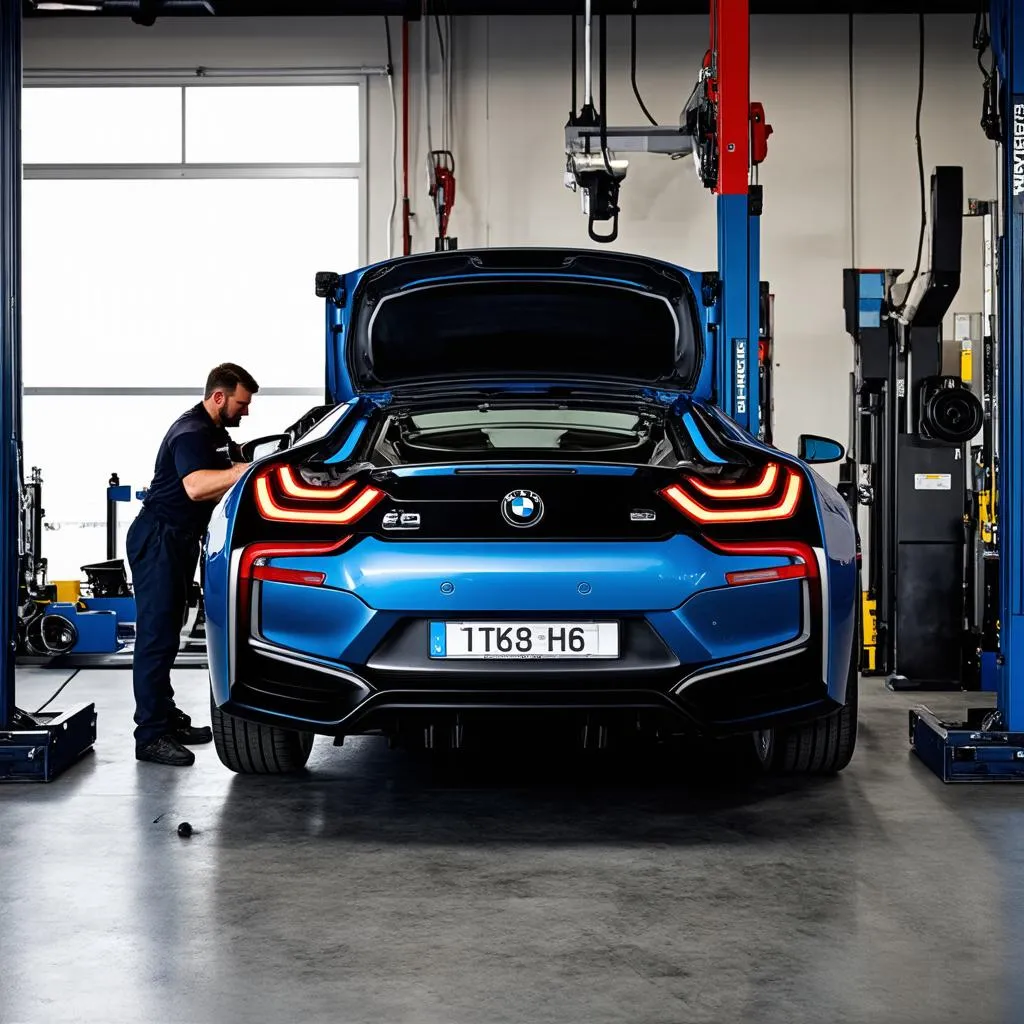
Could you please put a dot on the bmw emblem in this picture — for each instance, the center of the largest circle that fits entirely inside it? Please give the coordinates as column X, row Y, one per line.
column 522, row 508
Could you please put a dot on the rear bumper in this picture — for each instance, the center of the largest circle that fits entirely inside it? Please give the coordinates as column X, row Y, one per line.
column 774, row 687
column 701, row 656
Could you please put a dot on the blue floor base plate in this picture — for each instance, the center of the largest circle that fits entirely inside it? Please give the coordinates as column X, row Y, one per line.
column 969, row 751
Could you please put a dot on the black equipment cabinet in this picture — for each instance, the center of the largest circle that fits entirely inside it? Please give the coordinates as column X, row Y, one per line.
column 930, row 550
column 907, row 471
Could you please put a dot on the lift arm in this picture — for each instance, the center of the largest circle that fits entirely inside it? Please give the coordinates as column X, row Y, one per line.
column 728, row 137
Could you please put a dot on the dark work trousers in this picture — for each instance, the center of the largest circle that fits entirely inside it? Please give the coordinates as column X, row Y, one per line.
column 163, row 561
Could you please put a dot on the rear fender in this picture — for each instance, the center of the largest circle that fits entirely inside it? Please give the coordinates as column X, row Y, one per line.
column 218, row 578
column 839, row 559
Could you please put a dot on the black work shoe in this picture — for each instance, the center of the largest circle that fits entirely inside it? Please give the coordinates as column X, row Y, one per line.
column 166, row 749
column 184, row 731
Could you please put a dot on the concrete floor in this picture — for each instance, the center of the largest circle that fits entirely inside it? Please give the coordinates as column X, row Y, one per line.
column 381, row 890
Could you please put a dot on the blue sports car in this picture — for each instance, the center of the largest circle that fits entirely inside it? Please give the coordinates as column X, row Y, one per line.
column 521, row 509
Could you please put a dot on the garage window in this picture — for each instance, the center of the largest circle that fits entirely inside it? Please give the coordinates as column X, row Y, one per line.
column 272, row 124
column 167, row 228
column 101, row 126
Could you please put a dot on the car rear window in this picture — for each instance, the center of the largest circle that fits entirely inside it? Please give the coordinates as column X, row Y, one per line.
column 560, row 429
column 530, row 431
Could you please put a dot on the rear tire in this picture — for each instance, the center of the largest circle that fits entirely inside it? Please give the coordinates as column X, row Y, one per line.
column 745, row 757
column 824, row 746
column 253, row 749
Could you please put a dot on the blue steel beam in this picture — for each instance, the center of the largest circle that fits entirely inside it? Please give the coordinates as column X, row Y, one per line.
column 10, row 343
column 1008, row 44
column 736, row 358
column 739, row 329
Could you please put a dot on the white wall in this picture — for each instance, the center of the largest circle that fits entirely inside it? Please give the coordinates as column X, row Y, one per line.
column 512, row 100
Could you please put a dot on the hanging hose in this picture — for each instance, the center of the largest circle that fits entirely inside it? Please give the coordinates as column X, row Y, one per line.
column 406, row 213
column 632, row 66
column 390, row 236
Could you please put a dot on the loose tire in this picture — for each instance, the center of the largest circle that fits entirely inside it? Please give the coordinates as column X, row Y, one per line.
column 253, row 749
column 824, row 746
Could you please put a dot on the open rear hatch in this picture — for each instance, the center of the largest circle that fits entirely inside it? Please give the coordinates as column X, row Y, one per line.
column 517, row 315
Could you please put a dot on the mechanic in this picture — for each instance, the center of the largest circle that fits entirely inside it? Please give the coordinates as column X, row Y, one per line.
column 197, row 464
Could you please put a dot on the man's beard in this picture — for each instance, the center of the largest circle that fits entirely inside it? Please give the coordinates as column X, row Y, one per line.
column 230, row 421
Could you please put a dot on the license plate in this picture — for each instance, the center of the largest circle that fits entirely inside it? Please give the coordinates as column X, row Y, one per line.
column 524, row 639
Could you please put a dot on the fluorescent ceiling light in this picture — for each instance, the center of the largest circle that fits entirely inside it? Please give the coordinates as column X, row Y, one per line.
column 45, row 5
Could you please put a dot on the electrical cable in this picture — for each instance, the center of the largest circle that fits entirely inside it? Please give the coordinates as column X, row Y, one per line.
column 991, row 121
column 435, row 187
column 920, row 160
column 450, row 23
column 425, row 75
column 575, row 66
column 444, row 81
column 632, row 65
column 389, row 247
column 425, row 78
column 59, row 691
column 602, row 85
column 406, row 212
column 440, row 38
column 853, row 153
column 447, row 83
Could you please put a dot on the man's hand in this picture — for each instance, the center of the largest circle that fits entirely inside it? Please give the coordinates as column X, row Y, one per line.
column 212, row 484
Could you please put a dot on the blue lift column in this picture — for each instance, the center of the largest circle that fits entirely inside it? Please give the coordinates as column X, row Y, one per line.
column 989, row 745
column 33, row 747
column 1008, row 45
column 10, row 344
column 739, row 267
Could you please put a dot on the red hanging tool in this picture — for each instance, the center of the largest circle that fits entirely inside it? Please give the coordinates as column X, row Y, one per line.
column 441, row 170
column 759, row 132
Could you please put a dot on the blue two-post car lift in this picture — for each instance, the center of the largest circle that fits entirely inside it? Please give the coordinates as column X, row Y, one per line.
column 989, row 745
column 33, row 747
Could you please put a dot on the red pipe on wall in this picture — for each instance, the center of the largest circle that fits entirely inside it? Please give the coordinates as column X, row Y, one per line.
column 406, row 215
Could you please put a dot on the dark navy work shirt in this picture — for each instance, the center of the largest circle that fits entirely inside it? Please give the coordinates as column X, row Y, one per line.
column 194, row 442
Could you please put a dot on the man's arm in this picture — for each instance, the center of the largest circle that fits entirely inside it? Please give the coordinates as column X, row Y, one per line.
column 212, row 484
column 193, row 458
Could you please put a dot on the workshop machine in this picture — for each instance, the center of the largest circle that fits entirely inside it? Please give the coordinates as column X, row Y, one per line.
column 68, row 623
column 922, row 463
column 907, row 463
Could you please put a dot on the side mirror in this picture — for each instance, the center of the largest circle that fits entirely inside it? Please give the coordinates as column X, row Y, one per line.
column 812, row 448
column 261, row 447
column 327, row 285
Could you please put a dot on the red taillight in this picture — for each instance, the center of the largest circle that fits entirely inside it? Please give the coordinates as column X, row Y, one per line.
column 253, row 564
column 763, row 487
column 295, row 489
column 296, row 502
column 805, row 567
column 782, row 572
column 779, row 487
column 274, row 574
